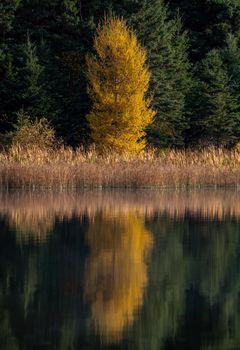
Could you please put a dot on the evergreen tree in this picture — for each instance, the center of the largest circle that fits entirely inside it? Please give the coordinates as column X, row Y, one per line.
column 166, row 45
column 215, row 108
column 9, row 89
column 118, row 82
column 231, row 60
column 71, row 12
column 208, row 22
column 56, row 31
column 33, row 95
column 7, row 14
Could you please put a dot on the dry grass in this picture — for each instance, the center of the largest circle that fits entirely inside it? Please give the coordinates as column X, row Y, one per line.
column 71, row 169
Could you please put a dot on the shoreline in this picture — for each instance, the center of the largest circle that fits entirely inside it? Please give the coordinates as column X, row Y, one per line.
column 79, row 189
column 72, row 170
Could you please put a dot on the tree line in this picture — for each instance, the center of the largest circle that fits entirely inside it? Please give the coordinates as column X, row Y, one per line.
column 192, row 51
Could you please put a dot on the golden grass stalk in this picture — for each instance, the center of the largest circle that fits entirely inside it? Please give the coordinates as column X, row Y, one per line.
column 66, row 168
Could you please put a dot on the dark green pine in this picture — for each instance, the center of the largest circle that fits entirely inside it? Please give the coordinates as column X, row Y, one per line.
column 208, row 23
column 215, row 108
column 166, row 44
column 31, row 77
column 7, row 15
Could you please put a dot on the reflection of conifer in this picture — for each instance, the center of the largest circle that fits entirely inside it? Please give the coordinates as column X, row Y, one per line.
column 164, row 304
column 114, row 291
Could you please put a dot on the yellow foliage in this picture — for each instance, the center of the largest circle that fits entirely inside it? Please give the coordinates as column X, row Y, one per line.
column 118, row 82
column 116, row 273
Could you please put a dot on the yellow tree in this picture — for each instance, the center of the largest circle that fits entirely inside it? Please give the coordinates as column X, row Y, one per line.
column 118, row 82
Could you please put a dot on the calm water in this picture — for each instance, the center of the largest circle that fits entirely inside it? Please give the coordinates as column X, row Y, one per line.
column 120, row 270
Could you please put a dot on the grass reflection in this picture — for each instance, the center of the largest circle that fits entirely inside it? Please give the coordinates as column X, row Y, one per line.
column 31, row 211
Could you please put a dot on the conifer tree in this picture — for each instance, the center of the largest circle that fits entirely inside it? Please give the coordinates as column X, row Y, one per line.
column 231, row 59
column 7, row 14
column 32, row 95
column 71, row 12
column 118, row 82
column 166, row 44
column 216, row 116
column 209, row 23
column 9, row 89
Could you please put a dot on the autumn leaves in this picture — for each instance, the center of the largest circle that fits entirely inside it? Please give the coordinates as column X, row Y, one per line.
column 118, row 83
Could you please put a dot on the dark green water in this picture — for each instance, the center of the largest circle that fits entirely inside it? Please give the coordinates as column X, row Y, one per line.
column 120, row 270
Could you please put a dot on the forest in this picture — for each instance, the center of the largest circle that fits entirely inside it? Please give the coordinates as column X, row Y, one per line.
column 192, row 51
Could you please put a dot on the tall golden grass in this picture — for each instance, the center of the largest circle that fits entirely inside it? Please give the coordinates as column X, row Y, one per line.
column 66, row 168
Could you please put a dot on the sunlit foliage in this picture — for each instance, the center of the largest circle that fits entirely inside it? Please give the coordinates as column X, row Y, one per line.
column 118, row 82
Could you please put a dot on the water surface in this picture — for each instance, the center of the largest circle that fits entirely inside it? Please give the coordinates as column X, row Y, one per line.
column 120, row 270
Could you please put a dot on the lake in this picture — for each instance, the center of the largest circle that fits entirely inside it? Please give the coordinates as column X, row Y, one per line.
column 120, row 270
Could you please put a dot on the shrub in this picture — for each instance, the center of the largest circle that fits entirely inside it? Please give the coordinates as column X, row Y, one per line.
column 37, row 133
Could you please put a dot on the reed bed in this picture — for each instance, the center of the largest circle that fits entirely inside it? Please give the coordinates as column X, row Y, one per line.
column 66, row 168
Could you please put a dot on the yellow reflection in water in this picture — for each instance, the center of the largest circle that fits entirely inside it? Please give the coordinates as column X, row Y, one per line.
column 116, row 272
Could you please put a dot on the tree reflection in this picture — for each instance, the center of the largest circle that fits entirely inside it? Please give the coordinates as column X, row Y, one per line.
column 116, row 272
column 100, row 274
